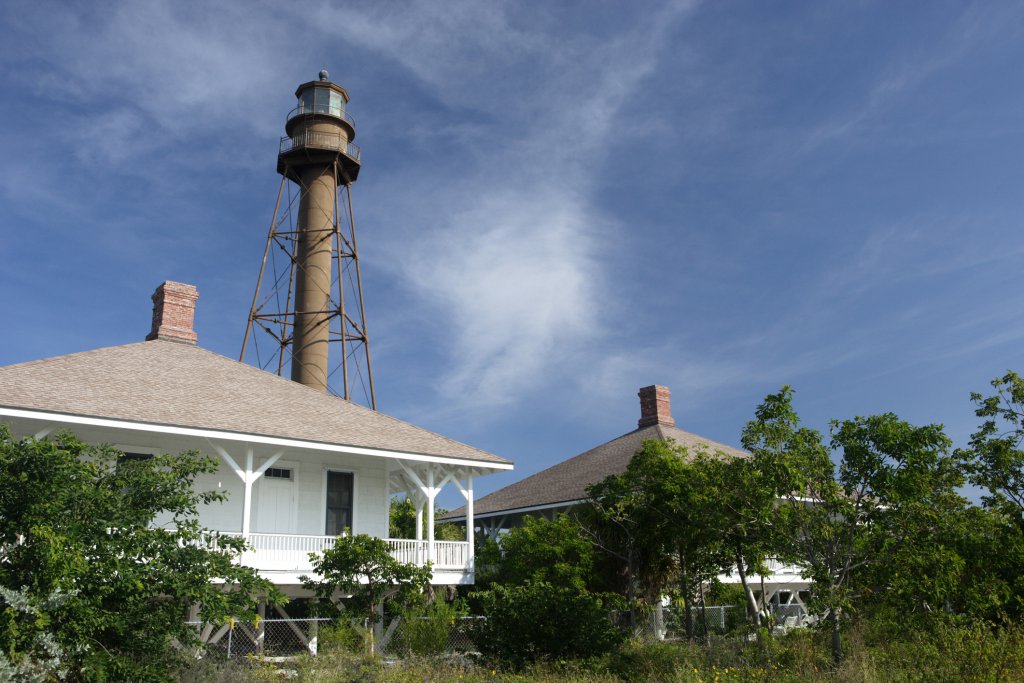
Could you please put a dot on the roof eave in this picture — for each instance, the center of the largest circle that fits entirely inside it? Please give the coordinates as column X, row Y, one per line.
column 515, row 511
column 202, row 433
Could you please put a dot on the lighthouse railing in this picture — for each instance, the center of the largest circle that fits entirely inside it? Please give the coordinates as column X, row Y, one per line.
column 319, row 140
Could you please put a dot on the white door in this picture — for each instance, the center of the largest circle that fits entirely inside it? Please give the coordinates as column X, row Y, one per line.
column 275, row 502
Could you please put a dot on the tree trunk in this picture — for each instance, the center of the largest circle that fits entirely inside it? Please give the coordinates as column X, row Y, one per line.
column 755, row 613
column 837, row 638
column 631, row 590
column 764, row 602
column 687, row 595
column 704, row 616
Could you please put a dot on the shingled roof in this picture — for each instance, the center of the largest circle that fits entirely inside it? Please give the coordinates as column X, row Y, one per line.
column 181, row 385
column 567, row 481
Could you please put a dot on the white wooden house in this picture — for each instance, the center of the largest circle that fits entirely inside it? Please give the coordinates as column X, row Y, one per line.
column 301, row 467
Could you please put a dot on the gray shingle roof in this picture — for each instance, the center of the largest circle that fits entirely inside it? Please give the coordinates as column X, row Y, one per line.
column 568, row 480
column 173, row 384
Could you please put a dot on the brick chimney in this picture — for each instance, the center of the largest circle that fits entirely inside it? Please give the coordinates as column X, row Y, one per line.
column 174, row 312
column 655, row 407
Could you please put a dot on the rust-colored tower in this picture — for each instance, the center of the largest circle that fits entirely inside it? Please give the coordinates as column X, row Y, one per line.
column 312, row 292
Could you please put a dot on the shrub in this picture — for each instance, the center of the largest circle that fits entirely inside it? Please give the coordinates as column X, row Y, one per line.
column 425, row 628
column 540, row 621
column 961, row 652
column 344, row 636
column 636, row 660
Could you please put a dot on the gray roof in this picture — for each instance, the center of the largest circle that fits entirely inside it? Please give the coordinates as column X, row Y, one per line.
column 567, row 481
column 167, row 383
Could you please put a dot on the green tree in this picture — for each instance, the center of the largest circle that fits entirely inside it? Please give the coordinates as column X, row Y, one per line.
column 612, row 521
column 666, row 492
column 360, row 569
column 538, row 620
column 998, row 459
column 81, row 557
column 745, row 518
column 543, row 550
column 911, row 478
column 996, row 463
column 826, row 524
column 403, row 522
column 888, row 528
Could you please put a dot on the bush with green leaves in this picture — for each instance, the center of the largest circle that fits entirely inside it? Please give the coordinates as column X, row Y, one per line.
column 361, row 570
column 539, row 620
column 87, row 577
column 426, row 627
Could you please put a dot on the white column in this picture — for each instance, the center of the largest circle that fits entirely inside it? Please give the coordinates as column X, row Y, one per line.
column 261, row 630
column 387, row 499
column 247, row 496
column 248, row 478
column 430, row 514
column 419, row 517
column 469, row 520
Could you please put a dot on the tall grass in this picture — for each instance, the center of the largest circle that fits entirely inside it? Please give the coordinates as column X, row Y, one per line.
column 944, row 652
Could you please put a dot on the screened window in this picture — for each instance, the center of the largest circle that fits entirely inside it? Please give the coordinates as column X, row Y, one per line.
column 137, row 457
column 339, row 503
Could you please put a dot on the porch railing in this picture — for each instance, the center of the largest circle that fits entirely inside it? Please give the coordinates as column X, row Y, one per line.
column 290, row 552
column 777, row 571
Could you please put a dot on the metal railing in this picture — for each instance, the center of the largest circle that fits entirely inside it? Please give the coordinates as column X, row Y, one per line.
column 335, row 111
column 312, row 139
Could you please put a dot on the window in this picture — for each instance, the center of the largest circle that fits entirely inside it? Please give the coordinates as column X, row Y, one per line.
column 134, row 457
column 278, row 473
column 337, row 103
column 339, row 503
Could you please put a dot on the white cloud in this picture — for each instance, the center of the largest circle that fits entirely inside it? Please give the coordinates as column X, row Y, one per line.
column 513, row 258
column 519, row 282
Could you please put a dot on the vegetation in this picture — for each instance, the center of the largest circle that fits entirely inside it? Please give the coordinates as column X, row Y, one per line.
column 912, row 581
column 541, row 621
column 358, row 574
column 90, row 588
column 950, row 653
column 403, row 522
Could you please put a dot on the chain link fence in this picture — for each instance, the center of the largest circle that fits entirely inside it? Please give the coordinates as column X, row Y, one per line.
column 424, row 636
column 262, row 637
column 427, row 636
column 669, row 623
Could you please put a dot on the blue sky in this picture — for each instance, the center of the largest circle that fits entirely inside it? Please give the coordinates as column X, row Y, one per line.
column 559, row 202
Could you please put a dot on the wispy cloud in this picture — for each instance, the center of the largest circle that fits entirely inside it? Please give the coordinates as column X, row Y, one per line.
column 978, row 26
column 515, row 260
column 153, row 71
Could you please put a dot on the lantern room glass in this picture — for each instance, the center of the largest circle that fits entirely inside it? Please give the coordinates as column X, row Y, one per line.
column 322, row 101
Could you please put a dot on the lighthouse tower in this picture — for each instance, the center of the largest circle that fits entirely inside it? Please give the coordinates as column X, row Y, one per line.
column 308, row 296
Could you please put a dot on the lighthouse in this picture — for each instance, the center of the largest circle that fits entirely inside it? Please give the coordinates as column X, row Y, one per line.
column 309, row 296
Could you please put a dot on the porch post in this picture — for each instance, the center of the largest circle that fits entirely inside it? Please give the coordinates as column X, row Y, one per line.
column 430, row 514
column 419, row 518
column 261, row 628
column 247, row 496
column 469, row 520
column 387, row 499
